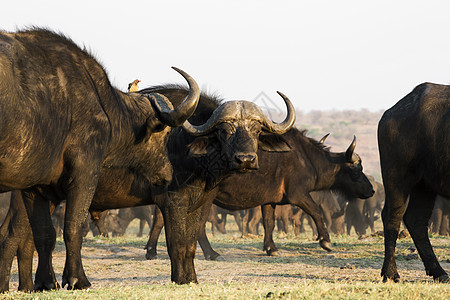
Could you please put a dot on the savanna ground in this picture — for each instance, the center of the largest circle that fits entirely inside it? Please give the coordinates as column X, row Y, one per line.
column 118, row 269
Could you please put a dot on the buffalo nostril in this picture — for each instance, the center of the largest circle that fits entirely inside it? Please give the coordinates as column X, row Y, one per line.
column 245, row 158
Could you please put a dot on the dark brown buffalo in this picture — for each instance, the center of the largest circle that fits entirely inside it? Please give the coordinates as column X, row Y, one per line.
column 414, row 146
column 251, row 220
column 215, row 221
column 63, row 124
column 440, row 219
column 283, row 217
column 126, row 215
column 222, row 221
column 310, row 167
column 361, row 214
column 228, row 142
column 332, row 211
column 222, row 138
column 289, row 177
column 328, row 205
column 99, row 223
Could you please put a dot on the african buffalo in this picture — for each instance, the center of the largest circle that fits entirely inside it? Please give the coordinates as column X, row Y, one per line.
column 222, row 137
column 222, row 222
column 283, row 216
column 361, row 213
column 63, row 124
column 202, row 156
column 331, row 210
column 441, row 217
column 288, row 177
column 213, row 218
column 99, row 223
column 414, row 146
column 126, row 215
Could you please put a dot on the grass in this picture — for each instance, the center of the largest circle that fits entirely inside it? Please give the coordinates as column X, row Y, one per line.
column 303, row 289
column 117, row 269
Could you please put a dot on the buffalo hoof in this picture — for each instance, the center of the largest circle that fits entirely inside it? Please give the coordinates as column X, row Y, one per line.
column 150, row 255
column 325, row 245
column 215, row 256
column 386, row 279
column 29, row 287
column 395, row 278
column 273, row 253
column 45, row 286
column 76, row 283
column 442, row 279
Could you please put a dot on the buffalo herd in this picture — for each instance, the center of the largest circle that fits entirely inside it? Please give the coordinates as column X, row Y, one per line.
column 72, row 145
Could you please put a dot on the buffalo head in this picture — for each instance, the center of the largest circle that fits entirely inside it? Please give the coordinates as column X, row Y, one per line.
column 152, row 116
column 233, row 130
column 350, row 178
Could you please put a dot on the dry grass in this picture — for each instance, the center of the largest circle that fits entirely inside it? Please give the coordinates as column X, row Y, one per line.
column 117, row 269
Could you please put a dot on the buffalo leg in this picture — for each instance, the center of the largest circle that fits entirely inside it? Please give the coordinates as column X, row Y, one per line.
column 79, row 194
column 238, row 219
column 26, row 246
column 13, row 235
column 208, row 251
column 393, row 211
column 438, row 213
column 148, row 219
column 157, row 226
column 371, row 219
column 44, row 236
column 177, row 244
column 25, row 262
column 311, row 208
column 253, row 224
column 193, row 225
column 443, row 229
column 175, row 217
column 99, row 228
column 285, row 220
column 141, row 228
column 416, row 220
column 268, row 215
column 222, row 223
column 245, row 223
column 297, row 223
column 360, row 223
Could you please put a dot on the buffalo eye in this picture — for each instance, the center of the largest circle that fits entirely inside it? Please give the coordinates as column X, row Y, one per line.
column 226, row 130
column 255, row 127
column 355, row 171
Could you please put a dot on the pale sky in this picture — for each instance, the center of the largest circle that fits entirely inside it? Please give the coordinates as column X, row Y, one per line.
column 322, row 54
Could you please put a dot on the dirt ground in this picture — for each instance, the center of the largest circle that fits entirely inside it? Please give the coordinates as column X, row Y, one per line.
column 121, row 261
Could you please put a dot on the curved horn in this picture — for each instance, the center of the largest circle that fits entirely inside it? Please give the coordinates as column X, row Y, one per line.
column 350, row 149
column 176, row 117
column 284, row 126
column 322, row 140
column 204, row 128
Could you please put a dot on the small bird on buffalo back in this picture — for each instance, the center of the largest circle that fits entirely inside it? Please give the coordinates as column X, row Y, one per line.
column 133, row 87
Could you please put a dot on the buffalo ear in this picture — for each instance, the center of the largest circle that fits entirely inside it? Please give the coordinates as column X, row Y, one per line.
column 273, row 143
column 198, row 147
column 155, row 125
column 152, row 125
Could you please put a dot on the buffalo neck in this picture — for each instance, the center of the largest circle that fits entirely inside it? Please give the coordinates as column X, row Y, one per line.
column 324, row 163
